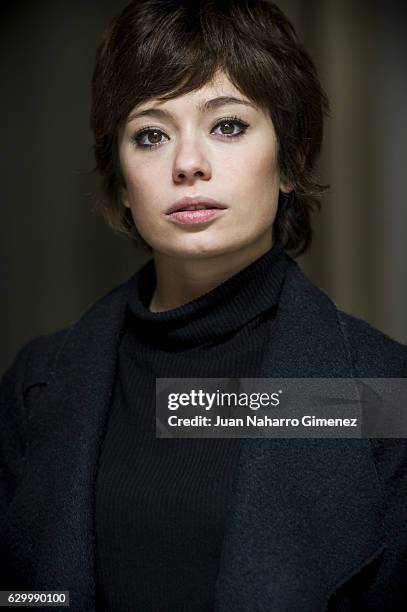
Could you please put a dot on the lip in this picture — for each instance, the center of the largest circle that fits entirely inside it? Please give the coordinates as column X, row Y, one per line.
column 194, row 200
column 195, row 217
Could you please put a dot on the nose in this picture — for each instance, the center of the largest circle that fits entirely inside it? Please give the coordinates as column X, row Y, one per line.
column 190, row 164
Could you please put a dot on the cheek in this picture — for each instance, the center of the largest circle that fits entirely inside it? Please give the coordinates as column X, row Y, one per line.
column 260, row 183
column 257, row 160
column 141, row 184
column 258, row 174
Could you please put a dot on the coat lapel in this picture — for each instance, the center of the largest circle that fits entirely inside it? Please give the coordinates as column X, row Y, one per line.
column 304, row 515
column 50, row 519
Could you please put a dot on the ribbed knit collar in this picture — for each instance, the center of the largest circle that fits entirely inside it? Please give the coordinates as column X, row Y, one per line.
column 247, row 294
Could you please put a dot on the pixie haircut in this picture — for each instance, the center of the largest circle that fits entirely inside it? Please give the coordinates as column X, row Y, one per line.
column 161, row 49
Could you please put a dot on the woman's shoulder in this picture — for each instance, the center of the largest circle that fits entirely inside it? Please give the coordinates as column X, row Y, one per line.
column 372, row 351
column 35, row 358
column 372, row 347
column 33, row 361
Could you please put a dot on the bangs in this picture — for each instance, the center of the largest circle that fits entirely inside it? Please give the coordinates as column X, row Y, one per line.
column 179, row 50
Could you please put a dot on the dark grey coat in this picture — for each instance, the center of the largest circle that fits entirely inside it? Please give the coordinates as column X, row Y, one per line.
column 313, row 525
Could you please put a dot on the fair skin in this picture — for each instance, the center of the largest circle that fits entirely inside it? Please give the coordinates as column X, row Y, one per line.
column 196, row 154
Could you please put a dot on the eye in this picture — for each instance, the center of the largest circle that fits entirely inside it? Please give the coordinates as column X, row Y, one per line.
column 153, row 137
column 230, row 123
column 150, row 137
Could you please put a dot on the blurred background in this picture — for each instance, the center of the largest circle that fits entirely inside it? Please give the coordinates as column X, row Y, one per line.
column 58, row 256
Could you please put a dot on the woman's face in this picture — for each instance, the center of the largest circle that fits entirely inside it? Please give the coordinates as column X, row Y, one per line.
column 227, row 152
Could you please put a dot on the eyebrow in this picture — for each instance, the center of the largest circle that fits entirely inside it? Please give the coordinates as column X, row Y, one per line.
column 204, row 107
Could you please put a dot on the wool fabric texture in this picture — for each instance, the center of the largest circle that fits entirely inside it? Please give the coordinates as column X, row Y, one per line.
column 311, row 524
column 161, row 503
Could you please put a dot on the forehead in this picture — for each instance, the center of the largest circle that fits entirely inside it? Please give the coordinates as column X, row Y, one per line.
column 218, row 92
column 220, row 84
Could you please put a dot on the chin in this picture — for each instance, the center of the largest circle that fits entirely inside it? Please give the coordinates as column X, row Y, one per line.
column 194, row 249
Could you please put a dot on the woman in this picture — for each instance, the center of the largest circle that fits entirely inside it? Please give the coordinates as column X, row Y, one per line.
column 214, row 104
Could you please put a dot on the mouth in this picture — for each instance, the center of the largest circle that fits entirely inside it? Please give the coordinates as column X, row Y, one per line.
column 195, row 217
column 195, row 203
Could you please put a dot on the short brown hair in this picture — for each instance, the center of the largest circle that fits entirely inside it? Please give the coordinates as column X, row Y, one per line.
column 167, row 48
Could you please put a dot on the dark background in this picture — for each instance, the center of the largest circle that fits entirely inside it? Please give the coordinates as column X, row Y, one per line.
column 58, row 257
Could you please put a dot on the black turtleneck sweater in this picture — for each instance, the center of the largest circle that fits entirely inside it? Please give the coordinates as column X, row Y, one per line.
column 161, row 503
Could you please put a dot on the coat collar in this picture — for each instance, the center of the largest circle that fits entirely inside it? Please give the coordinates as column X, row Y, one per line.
column 304, row 516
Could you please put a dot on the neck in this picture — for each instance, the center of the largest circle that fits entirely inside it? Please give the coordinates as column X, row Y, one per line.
column 181, row 279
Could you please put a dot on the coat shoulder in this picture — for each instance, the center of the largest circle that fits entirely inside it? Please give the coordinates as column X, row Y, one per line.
column 373, row 352
column 34, row 361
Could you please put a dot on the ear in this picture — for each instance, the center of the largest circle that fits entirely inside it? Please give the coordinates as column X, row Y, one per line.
column 124, row 194
column 285, row 186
